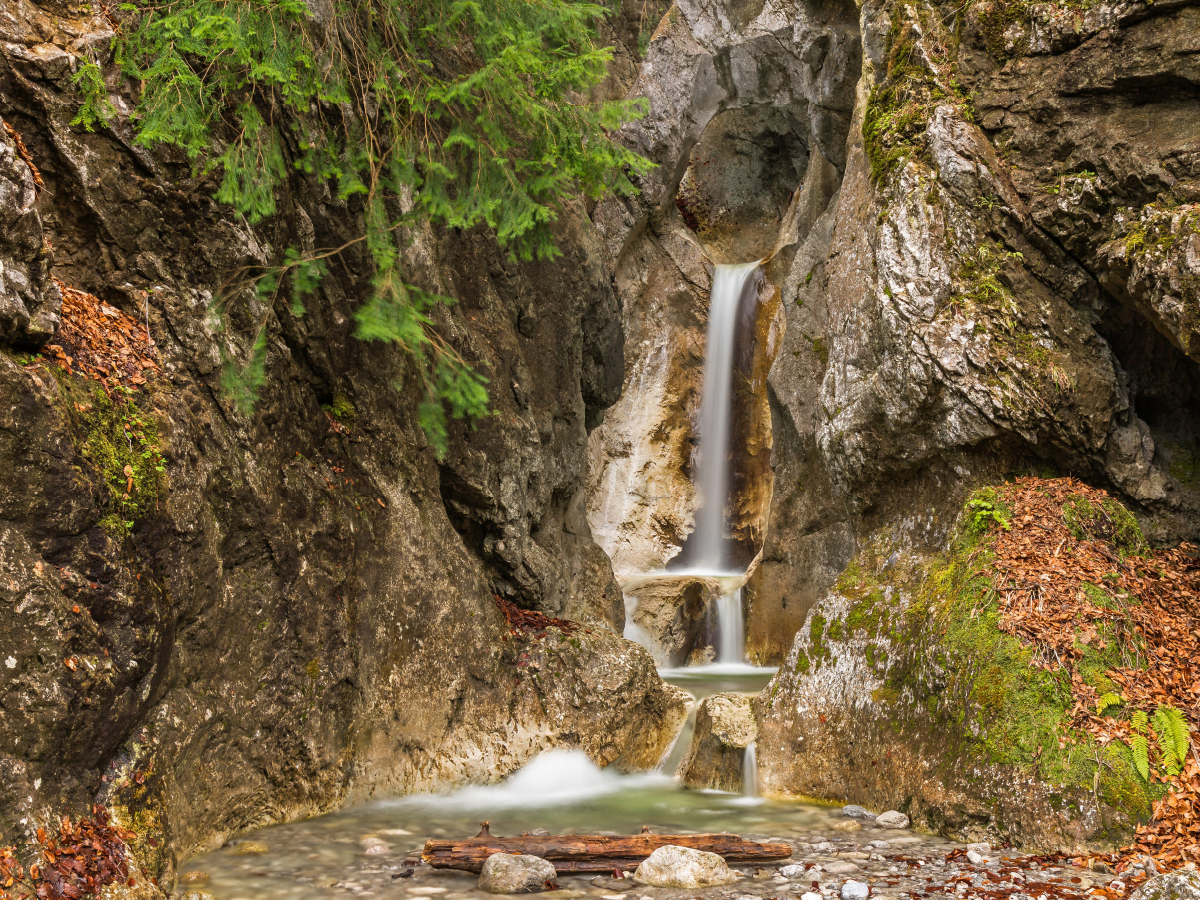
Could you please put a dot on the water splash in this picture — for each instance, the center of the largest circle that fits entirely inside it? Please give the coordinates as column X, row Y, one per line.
column 716, row 404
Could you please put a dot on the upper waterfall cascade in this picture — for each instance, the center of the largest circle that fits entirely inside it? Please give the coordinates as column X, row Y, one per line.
column 716, row 406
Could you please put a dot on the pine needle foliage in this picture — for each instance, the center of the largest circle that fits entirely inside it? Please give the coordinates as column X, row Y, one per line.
column 458, row 112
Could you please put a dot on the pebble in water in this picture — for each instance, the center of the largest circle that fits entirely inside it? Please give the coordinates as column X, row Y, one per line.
column 857, row 812
column 855, row 890
column 892, row 819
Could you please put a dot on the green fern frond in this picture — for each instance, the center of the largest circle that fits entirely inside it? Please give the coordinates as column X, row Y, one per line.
column 1174, row 738
column 1138, row 721
column 1107, row 700
column 1141, row 755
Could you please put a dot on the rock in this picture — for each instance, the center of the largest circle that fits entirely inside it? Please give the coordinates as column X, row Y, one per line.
column 194, row 878
column 892, row 819
column 850, row 825
column 857, row 812
column 855, row 890
column 792, row 871
column 725, row 726
column 980, row 847
column 197, row 895
column 841, row 867
column 975, row 858
column 880, row 845
column 516, row 873
column 249, row 848
column 1179, row 885
column 683, row 867
column 809, row 895
column 670, row 615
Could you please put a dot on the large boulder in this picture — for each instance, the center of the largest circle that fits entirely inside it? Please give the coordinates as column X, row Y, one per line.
column 516, row 873
column 725, row 727
column 683, row 867
column 1181, row 885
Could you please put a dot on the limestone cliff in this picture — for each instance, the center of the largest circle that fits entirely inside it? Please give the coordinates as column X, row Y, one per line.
column 305, row 615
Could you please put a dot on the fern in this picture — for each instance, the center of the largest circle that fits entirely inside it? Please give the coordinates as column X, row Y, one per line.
column 1109, row 699
column 1174, row 739
column 1141, row 755
column 458, row 112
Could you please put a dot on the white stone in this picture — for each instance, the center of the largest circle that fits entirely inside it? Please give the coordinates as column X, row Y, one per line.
column 792, row 871
column 892, row 819
column 1179, row 885
column 980, row 847
column 974, row 858
column 810, row 896
column 855, row 890
column 841, row 867
column 516, row 873
column 683, row 867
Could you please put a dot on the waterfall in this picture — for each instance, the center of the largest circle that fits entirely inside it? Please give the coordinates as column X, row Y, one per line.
column 731, row 640
column 750, row 771
column 716, row 402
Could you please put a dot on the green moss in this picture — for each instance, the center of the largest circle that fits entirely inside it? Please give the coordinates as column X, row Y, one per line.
column 341, row 409
column 835, row 630
column 901, row 104
column 1185, row 464
column 121, row 441
column 1107, row 521
column 816, row 634
column 802, row 663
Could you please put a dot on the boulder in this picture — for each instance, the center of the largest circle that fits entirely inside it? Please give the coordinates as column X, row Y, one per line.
column 857, row 812
column 669, row 614
column 516, row 873
column 725, row 726
column 683, row 867
column 1181, row 885
column 855, row 890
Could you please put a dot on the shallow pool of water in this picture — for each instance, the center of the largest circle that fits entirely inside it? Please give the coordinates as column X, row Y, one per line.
column 363, row 851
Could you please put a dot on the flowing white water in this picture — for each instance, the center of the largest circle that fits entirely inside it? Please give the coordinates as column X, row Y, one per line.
column 750, row 771
column 731, row 637
column 716, row 404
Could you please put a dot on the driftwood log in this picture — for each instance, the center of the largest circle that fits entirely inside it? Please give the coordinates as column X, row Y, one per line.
column 593, row 852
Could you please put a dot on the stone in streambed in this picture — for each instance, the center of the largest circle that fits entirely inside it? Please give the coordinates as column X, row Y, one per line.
column 857, row 812
column 683, row 867
column 841, row 867
column 1180, row 885
column 516, row 873
column 725, row 726
column 892, row 819
column 848, row 825
column 792, row 871
column 855, row 890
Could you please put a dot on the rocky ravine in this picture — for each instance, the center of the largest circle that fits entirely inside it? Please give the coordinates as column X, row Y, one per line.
column 306, row 617
column 986, row 264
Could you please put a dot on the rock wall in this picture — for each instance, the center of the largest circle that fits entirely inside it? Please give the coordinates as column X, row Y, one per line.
column 306, row 617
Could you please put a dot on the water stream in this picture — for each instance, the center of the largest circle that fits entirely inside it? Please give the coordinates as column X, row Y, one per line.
column 362, row 851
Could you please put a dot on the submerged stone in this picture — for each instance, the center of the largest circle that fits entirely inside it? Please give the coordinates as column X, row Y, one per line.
column 516, row 873
column 855, row 890
column 683, row 867
column 892, row 819
column 857, row 812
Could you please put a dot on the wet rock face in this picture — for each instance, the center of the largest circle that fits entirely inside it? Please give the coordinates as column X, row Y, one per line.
column 1183, row 885
column 725, row 726
column 676, row 616
column 307, row 617
column 29, row 300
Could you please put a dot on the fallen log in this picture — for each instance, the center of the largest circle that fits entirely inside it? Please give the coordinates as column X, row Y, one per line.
column 592, row 852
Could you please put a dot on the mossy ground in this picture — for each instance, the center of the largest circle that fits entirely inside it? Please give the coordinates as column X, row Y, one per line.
column 988, row 687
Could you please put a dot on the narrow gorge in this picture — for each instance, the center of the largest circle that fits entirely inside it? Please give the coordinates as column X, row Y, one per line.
column 775, row 417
